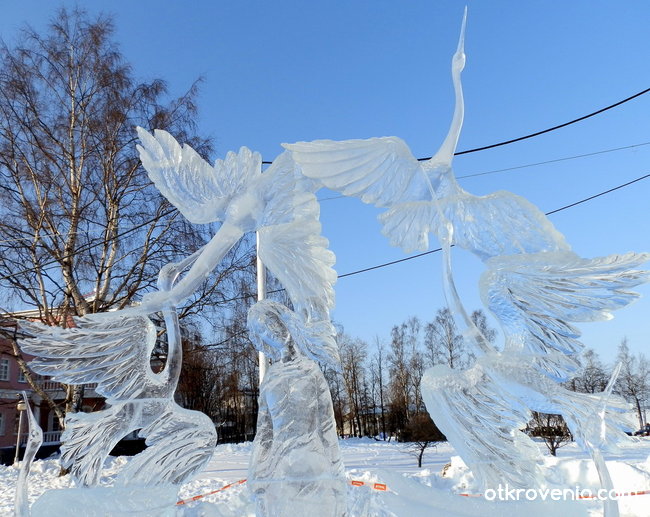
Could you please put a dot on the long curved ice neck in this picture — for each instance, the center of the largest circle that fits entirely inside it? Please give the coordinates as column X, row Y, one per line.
column 445, row 154
column 166, row 278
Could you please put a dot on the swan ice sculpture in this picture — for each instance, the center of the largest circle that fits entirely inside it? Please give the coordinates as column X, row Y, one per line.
column 534, row 285
column 114, row 351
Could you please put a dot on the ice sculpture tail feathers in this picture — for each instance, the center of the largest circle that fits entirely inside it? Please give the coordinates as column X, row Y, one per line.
column 89, row 437
column 579, row 413
column 199, row 190
column 537, row 296
column 482, row 419
column 179, row 443
column 103, row 348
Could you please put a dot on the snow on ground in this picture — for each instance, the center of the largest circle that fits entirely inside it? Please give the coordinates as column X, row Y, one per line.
column 411, row 492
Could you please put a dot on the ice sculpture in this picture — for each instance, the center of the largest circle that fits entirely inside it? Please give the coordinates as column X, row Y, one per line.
column 295, row 466
column 534, row 285
column 279, row 204
column 34, row 441
column 114, row 351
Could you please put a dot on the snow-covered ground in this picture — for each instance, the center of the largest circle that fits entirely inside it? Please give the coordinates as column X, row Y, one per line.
column 411, row 491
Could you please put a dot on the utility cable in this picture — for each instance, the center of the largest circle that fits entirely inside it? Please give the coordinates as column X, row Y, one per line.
column 543, row 131
column 411, row 257
column 556, row 160
column 565, row 207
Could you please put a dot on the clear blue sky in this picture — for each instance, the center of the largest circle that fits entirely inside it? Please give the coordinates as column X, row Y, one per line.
column 287, row 71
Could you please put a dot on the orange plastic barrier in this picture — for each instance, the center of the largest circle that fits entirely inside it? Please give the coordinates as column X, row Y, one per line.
column 375, row 486
column 197, row 497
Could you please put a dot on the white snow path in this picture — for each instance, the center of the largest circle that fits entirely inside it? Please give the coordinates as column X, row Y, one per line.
column 412, row 492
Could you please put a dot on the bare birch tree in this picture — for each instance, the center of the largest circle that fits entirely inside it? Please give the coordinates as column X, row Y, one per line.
column 82, row 229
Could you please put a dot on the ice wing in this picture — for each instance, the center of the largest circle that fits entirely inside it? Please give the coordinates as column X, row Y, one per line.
column 296, row 253
column 179, row 443
column 199, row 190
column 537, row 297
column 407, row 225
column 501, row 223
column 380, row 171
column 112, row 351
column 482, row 421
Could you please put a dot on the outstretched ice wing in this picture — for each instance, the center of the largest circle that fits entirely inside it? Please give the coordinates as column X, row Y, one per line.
column 112, row 351
column 179, row 443
column 482, row 421
column 199, row 190
column 501, row 223
column 536, row 297
column 297, row 255
column 380, row 171
column 290, row 242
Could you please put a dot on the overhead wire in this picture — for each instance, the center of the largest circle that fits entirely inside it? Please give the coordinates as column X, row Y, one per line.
column 483, row 148
column 543, row 131
column 555, row 160
column 430, row 252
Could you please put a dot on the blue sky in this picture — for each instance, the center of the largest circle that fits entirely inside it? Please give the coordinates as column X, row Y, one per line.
column 287, row 71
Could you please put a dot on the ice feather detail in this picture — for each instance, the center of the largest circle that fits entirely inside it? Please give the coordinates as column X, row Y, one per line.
column 99, row 349
column 179, row 443
column 200, row 191
column 380, row 171
column 537, row 297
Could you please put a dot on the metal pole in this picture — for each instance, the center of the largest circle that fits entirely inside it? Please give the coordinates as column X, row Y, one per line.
column 21, row 409
column 261, row 295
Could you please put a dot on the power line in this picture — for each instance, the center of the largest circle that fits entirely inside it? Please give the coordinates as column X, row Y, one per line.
column 559, row 126
column 556, row 160
column 331, row 198
column 430, row 252
column 543, row 131
column 597, row 195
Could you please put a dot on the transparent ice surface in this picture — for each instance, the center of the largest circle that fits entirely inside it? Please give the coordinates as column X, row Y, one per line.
column 278, row 203
column 34, row 441
column 534, row 285
column 155, row 501
column 295, row 466
column 114, row 350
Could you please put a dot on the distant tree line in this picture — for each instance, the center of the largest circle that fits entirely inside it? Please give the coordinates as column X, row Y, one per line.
column 377, row 391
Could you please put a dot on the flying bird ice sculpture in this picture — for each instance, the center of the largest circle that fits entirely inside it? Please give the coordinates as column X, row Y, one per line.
column 114, row 350
column 534, row 285
column 279, row 204
column 295, row 466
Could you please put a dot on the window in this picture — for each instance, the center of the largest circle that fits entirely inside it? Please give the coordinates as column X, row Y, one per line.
column 21, row 376
column 4, row 369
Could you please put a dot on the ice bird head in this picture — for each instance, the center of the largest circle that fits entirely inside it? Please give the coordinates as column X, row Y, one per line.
column 438, row 168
